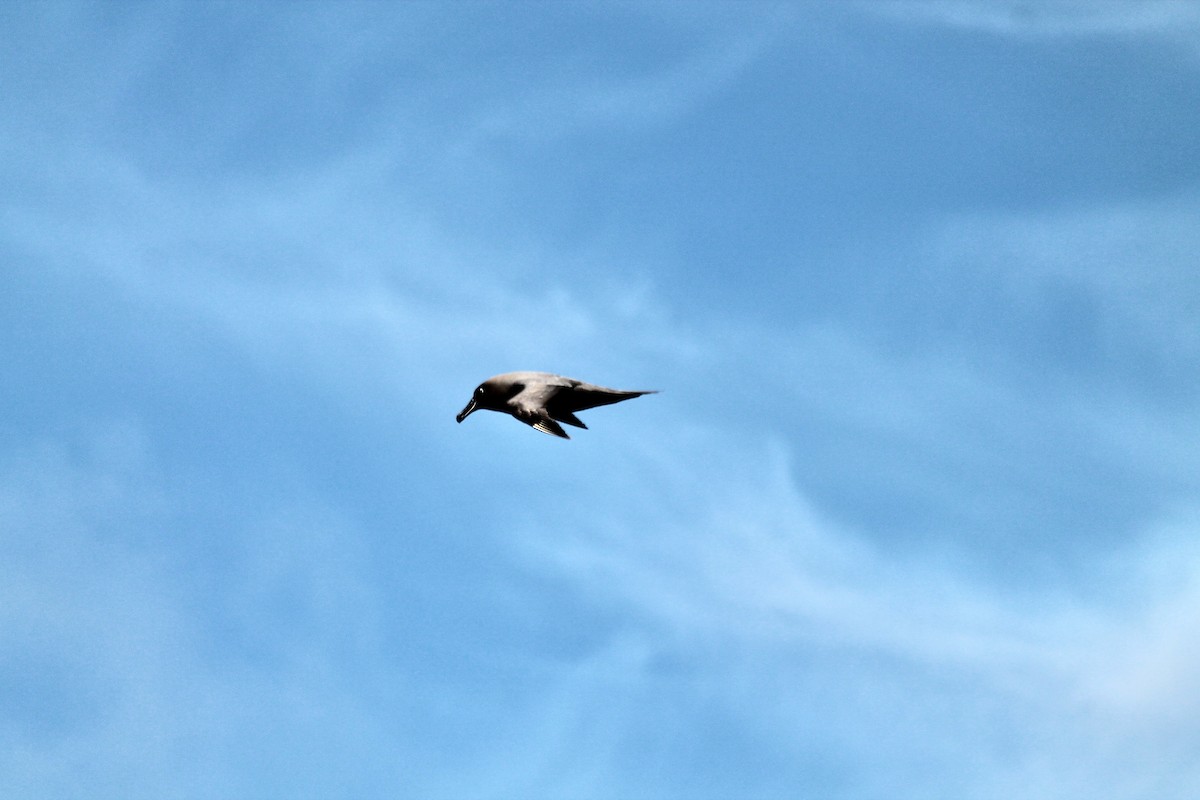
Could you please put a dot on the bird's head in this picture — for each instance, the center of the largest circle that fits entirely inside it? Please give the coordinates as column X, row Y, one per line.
column 489, row 395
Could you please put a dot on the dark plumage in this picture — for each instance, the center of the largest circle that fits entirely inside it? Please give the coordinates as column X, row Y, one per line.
column 541, row 399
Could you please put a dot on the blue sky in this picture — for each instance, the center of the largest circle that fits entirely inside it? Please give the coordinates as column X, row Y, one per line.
column 916, row 513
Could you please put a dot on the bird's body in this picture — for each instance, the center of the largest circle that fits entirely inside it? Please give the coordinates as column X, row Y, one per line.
column 541, row 399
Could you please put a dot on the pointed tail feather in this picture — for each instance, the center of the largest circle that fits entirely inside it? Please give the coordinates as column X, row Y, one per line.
column 569, row 418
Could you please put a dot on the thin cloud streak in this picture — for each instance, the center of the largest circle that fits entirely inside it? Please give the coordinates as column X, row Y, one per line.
column 651, row 100
column 1166, row 18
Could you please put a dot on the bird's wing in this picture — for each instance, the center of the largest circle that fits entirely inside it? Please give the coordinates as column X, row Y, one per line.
column 547, row 425
column 530, row 406
column 534, row 397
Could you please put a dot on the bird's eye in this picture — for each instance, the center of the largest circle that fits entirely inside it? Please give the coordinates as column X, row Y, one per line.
column 479, row 391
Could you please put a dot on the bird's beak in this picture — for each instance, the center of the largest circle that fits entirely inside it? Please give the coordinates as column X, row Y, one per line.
column 466, row 411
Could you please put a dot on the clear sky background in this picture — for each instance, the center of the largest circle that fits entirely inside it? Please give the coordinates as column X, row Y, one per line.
column 916, row 513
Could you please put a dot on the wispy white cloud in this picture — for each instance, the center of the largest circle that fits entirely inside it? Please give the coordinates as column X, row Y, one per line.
column 751, row 567
column 1149, row 676
column 659, row 95
column 1167, row 18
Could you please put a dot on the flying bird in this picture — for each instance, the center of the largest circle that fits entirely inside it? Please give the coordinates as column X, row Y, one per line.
column 541, row 399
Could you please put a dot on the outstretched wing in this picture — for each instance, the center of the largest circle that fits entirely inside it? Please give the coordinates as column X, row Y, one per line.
column 547, row 425
column 530, row 405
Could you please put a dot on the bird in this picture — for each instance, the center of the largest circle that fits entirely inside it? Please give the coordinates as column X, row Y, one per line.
column 542, row 399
